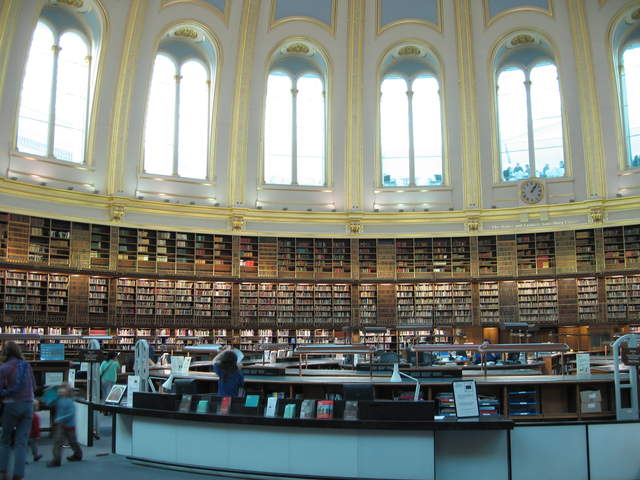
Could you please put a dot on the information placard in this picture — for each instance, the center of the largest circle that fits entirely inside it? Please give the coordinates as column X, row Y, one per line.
column 583, row 365
column 631, row 356
column 466, row 398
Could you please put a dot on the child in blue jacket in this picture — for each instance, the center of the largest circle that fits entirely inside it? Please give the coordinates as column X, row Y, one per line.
column 65, row 427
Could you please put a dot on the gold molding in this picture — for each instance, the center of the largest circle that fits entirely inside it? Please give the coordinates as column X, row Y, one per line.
column 116, row 212
column 288, row 202
column 224, row 16
column 472, row 224
column 471, row 168
column 628, row 172
column 124, row 93
column 602, row 2
column 355, row 227
column 596, row 214
column 589, row 104
column 427, row 189
column 354, row 151
column 240, row 112
column 238, row 223
column 8, row 20
column 407, row 21
column 273, row 23
column 488, row 21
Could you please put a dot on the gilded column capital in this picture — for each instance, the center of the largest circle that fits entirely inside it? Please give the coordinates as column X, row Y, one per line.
column 473, row 224
column 354, row 227
column 238, row 223
column 116, row 212
column 597, row 215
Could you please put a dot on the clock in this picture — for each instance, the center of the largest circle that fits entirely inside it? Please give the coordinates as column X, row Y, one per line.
column 531, row 191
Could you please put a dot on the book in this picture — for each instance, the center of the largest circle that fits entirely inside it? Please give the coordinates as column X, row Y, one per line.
column 308, row 409
column 252, row 400
column 225, row 405
column 290, row 410
column 350, row 410
column 203, row 406
column 185, row 403
column 272, row 404
column 325, row 409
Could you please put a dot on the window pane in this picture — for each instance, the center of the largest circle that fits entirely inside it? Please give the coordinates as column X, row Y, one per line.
column 631, row 62
column 193, row 121
column 71, row 99
column 159, row 134
column 394, row 132
column 310, row 126
column 512, row 122
column 35, row 99
column 546, row 113
column 277, row 136
column 427, row 131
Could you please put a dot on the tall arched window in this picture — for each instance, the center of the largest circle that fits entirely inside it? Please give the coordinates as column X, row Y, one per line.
column 54, row 102
column 530, row 129
column 630, row 80
column 178, row 124
column 411, row 146
column 295, row 119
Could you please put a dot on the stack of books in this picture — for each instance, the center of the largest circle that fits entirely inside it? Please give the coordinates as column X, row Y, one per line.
column 488, row 405
column 446, row 404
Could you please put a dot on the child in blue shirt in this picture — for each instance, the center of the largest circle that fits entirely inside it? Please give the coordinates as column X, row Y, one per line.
column 65, row 427
column 230, row 377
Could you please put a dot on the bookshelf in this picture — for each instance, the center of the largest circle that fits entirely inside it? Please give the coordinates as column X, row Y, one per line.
column 267, row 257
column 538, row 301
column 587, row 299
column 613, row 248
column 442, row 257
column 616, row 293
column 203, row 254
column 489, row 303
column 223, row 255
column 286, row 304
column 249, row 256
column 98, row 296
column 304, row 303
column 487, row 256
column 368, row 296
column 100, row 246
column 460, row 257
column 166, row 252
column 585, row 251
column 286, row 257
column 632, row 247
column 423, row 251
column 405, row 258
column 633, row 298
column 4, row 235
column 367, row 258
column 185, row 253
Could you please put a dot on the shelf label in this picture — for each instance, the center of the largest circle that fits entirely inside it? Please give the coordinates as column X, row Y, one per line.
column 631, row 355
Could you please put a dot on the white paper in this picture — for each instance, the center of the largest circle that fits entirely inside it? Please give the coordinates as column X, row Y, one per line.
column 583, row 365
column 133, row 385
column 72, row 378
column 84, row 367
column 53, row 378
column 270, row 411
column 180, row 365
column 466, row 399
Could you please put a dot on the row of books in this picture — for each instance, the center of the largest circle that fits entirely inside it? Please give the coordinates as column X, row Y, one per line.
column 488, row 405
column 273, row 407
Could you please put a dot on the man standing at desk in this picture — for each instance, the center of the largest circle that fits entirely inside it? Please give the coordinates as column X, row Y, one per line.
column 489, row 357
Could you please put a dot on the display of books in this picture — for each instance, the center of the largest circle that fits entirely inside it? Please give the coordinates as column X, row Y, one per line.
column 446, row 404
column 488, row 405
column 252, row 400
column 325, row 409
column 308, row 409
column 185, row 403
column 350, row 410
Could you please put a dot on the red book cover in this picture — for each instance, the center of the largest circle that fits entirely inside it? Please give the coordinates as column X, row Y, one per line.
column 225, row 405
column 325, row 409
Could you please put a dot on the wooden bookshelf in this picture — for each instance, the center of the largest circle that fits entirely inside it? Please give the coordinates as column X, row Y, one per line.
column 613, row 248
column 538, row 301
column 368, row 301
column 585, row 251
column 489, row 303
column 587, row 300
column 367, row 258
column 616, row 297
column 487, row 256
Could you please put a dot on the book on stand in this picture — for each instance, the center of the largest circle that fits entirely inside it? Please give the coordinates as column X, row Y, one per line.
column 325, row 409
column 289, row 410
column 308, row 409
column 225, row 406
column 350, row 410
column 272, row 405
column 185, row 403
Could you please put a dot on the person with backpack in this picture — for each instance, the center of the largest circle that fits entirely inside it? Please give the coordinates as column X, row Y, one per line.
column 16, row 390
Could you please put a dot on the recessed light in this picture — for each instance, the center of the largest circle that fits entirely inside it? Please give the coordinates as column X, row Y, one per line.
column 192, row 203
column 333, row 209
column 285, row 208
column 167, row 200
column 140, row 197
column 451, row 209
column 43, row 184
column 69, row 188
column 217, row 204
column 308, row 210
column 401, row 209
column 376, row 209
column 259, row 207
column 426, row 209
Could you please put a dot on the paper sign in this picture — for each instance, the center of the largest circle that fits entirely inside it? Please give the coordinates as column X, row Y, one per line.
column 53, row 378
column 133, row 385
column 466, row 399
column 72, row 378
column 583, row 366
column 631, row 355
column 180, row 365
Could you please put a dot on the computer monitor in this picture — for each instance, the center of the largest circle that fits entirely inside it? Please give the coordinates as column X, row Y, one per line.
column 185, row 385
column 357, row 391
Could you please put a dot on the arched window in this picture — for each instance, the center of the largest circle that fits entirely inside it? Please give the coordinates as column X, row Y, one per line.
column 630, row 79
column 530, row 130
column 295, row 119
column 178, row 124
column 54, row 102
column 411, row 146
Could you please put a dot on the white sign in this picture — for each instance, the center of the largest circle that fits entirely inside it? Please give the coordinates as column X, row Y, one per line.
column 180, row 365
column 72, row 378
column 464, row 394
column 133, row 385
column 52, row 379
column 583, row 366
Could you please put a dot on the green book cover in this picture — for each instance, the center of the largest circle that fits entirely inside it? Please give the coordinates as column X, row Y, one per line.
column 251, row 400
column 203, row 406
column 290, row 410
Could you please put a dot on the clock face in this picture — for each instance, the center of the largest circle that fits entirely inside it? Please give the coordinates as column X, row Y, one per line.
column 531, row 191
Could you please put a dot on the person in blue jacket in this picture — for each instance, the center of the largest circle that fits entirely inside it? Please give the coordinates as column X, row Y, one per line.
column 489, row 357
column 230, row 377
column 65, row 427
